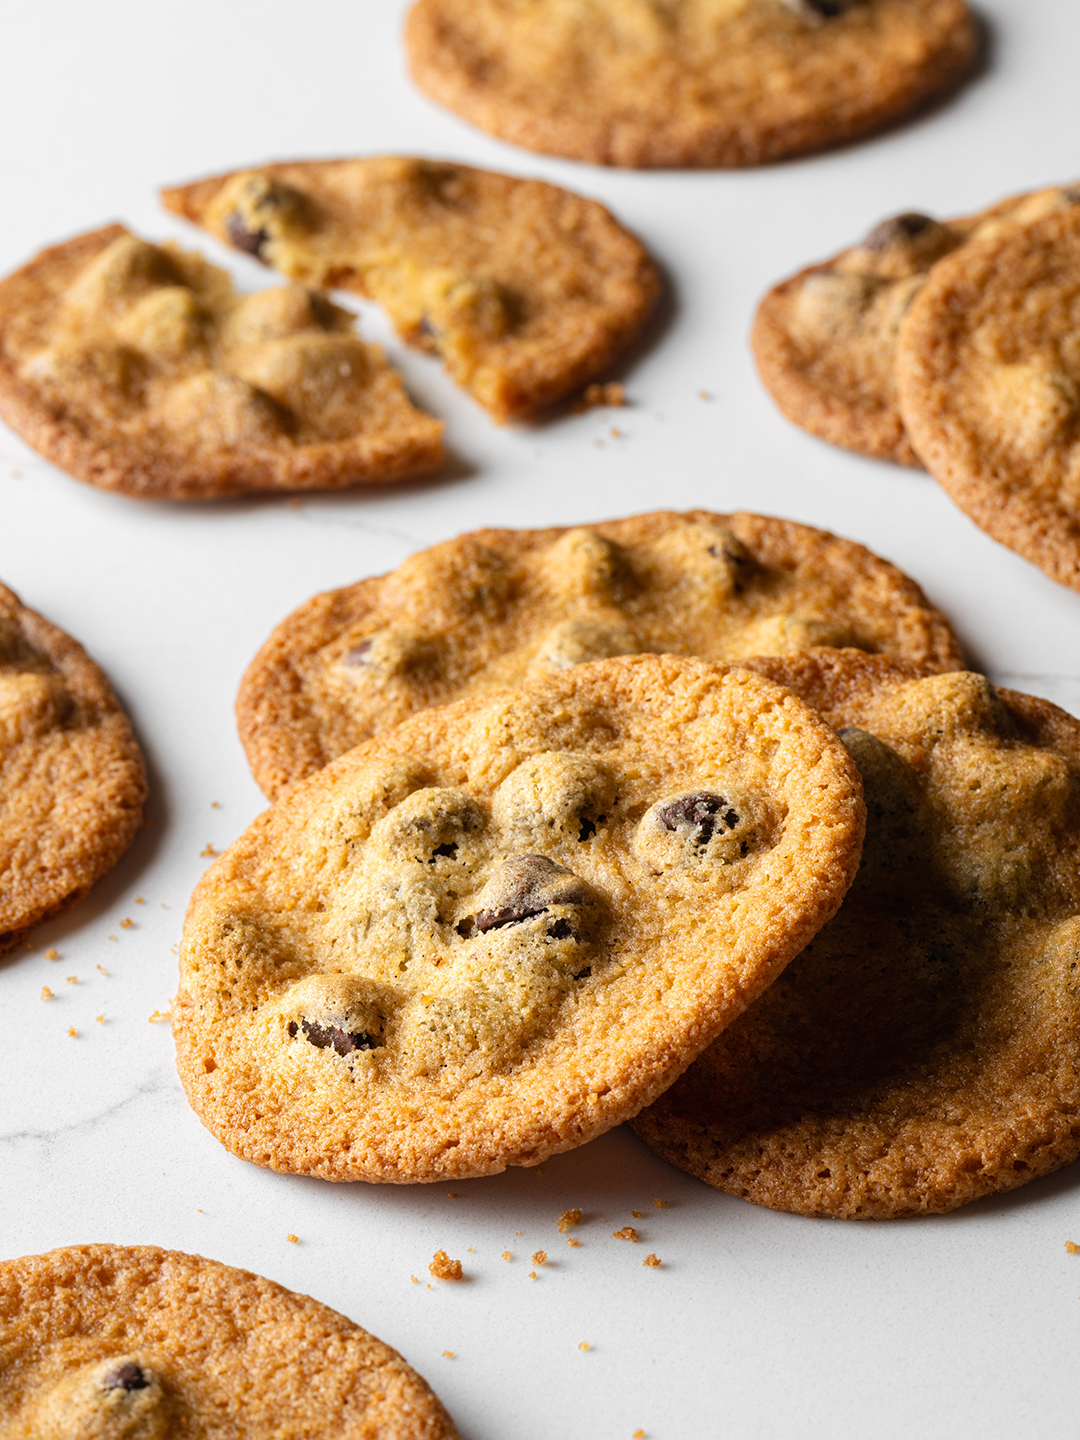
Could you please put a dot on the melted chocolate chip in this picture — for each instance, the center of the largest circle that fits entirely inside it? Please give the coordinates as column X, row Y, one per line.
column 1071, row 195
column 897, row 228
column 562, row 930
column 527, row 885
column 250, row 241
column 358, row 655
column 128, row 1376
column 509, row 915
column 704, row 812
column 332, row 1037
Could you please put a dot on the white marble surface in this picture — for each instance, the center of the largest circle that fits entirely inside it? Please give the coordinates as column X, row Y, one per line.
column 758, row 1324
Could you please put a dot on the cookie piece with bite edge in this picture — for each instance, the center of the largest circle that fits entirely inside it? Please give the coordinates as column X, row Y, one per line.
column 825, row 339
column 988, row 368
column 137, row 367
column 106, row 1342
column 699, row 82
column 496, row 931
column 502, row 606
column 72, row 782
column 924, row 1050
column 524, row 290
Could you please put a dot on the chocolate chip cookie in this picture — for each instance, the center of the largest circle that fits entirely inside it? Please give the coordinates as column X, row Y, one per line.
column 104, row 1342
column 697, row 82
column 924, row 1050
column 825, row 340
column 988, row 368
column 72, row 782
column 501, row 928
column 137, row 367
column 525, row 291
column 501, row 606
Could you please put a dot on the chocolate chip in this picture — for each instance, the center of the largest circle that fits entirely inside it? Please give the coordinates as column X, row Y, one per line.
column 1071, row 195
column 524, row 886
column 509, row 915
column 704, row 812
column 332, row 1037
column 359, row 654
column 896, row 229
column 562, row 929
column 128, row 1376
column 250, row 241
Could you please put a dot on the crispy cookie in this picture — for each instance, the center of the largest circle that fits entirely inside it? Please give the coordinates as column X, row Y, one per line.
column 825, row 340
column 526, row 291
column 925, row 1049
column 989, row 379
column 137, row 367
column 103, row 1342
column 694, row 82
column 72, row 782
column 502, row 606
column 501, row 928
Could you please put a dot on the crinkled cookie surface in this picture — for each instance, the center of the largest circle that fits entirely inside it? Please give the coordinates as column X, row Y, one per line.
column 105, row 1342
column 501, row 928
column 526, row 291
column 989, row 378
column 137, row 367
column 72, row 782
column 825, row 340
column 925, row 1049
column 499, row 607
column 685, row 82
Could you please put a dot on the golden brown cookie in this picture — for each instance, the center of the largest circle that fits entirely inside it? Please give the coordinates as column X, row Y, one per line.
column 72, row 782
column 106, row 1342
column 925, row 1049
column 695, row 82
column 498, row 607
column 501, row 928
column 825, row 340
column 988, row 367
column 524, row 290
column 137, row 367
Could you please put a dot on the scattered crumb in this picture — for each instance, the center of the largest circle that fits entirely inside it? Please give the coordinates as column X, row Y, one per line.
column 599, row 444
column 103, row 971
column 616, row 434
column 471, row 1251
column 293, row 1239
column 660, row 1204
column 160, row 1015
column 584, row 1345
column 506, row 1255
column 163, row 905
column 571, row 1241
column 517, row 1232
column 52, row 954
column 451, row 1194
column 1070, row 1248
column 73, row 979
column 704, row 395
column 127, row 923
column 215, row 804
column 638, row 1434
column 532, row 1274
column 415, row 1281
column 653, row 1261
column 112, row 937
column 567, row 1219
column 73, row 1032
column 100, row 1019
column 626, row 1233
column 208, row 853
column 540, row 1257
column 538, row 1171
column 139, row 900
column 46, row 993
column 596, row 395
column 202, row 1212
column 443, row 1268
column 449, row 1354
column 636, row 1214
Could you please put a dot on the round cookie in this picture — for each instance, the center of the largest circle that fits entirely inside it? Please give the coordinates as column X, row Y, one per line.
column 498, row 607
column 137, row 367
column 494, row 932
column 106, row 1342
column 72, row 782
column 698, row 82
column 526, row 291
column 825, row 339
column 925, row 1049
column 989, row 380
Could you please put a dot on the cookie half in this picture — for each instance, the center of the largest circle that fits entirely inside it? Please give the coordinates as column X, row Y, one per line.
column 524, row 290
column 825, row 339
column 989, row 380
column 499, row 607
column 137, row 367
column 72, row 782
column 503, row 927
column 100, row 1341
column 924, row 1050
column 703, row 82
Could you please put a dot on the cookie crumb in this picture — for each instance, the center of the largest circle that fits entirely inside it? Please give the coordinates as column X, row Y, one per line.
column 159, row 1015
column 208, row 853
column 571, row 1241
column 139, row 900
column 616, row 434
column 449, row 1354
column 127, row 923
column 470, row 1251
column 653, row 1261
column 414, row 1280
column 1070, row 1248
column 100, row 1019
column 112, row 937
column 532, row 1274
column 215, row 804
column 537, row 1171
column 73, row 979
column 506, row 1255
column 451, row 1194
column 567, row 1219
column 584, row 1345
column 704, row 395
column 636, row 1214
column 443, row 1268
column 596, row 395
column 660, row 1204
column 540, row 1258
column 638, row 1434
column 46, row 993
column 52, row 954
column 293, row 1239
column 103, row 971
column 626, row 1233
column 73, row 1032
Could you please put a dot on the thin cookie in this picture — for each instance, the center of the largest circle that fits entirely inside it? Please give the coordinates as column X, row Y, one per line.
column 989, row 380
column 524, row 290
column 106, row 1342
column 925, row 1049
column 701, row 82
column 72, row 782
column 499, row 607
column 503, row 927
column 137, row 367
